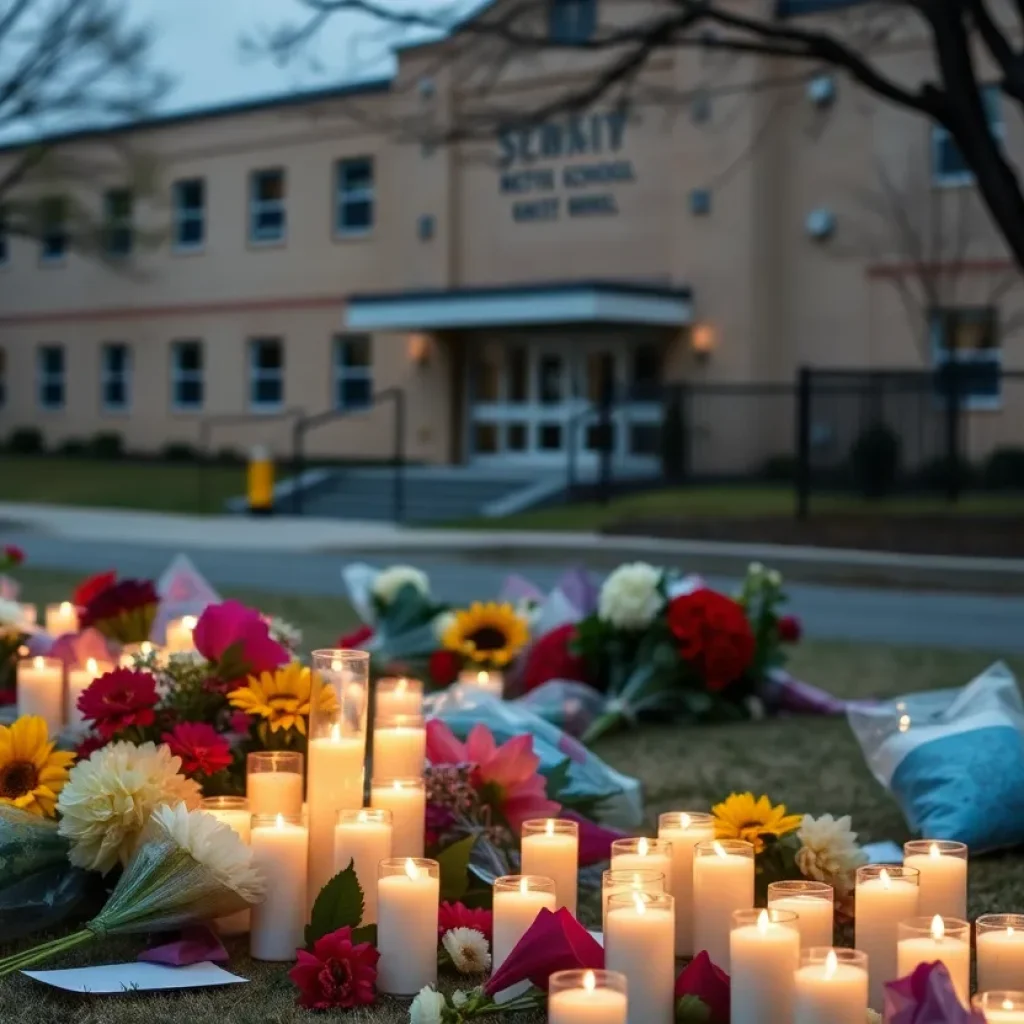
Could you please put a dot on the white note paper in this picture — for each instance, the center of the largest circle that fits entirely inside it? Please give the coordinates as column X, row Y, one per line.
column 135, row 977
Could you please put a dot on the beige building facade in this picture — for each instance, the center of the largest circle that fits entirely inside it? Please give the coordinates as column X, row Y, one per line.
column 303, row 257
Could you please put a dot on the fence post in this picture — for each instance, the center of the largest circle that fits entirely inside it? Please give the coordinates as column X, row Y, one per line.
column 604, row 432
column 803, row 441
column 952, row 370
column 398, row 463
column 297, row 466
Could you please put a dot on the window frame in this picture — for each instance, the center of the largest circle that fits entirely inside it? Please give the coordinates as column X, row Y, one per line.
column 180, row 375
column 43, row 375
column 53, row 202
column 343, row 199
column 344, row 372
column 109, row 376
column 938, row 322
column 941, row 137
column 257, row 205
column 571, row 22
column 181, row 214
column 257, row 374
column 114, row 223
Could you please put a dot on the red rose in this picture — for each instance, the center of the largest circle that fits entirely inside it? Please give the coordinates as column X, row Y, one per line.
column 124, row 611
column 13, row 555
column 444, row 667
column 93, row 587
column 713, row 635
column 702, row 980
column 337, row 974
column 8, row 697
column 551, row 657
column 354, row 641
column 203, row 751
column 118, row 700
column 790, row 629
column 455, row 915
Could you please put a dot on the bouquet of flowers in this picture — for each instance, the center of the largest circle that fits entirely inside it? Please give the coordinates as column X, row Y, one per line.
column 14, row 627
column 122, row 610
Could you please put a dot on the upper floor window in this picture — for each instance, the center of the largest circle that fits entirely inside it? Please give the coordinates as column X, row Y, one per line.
column 187, row 375
column 115, row 376
column 353, row 371
column 572, row 21
column 266, row 206
column 189, row 201
column 948, row 164
column 118, row 224
column 355, row 201
column 266, row 373
column 51, row 376
column 967, row 339
column 53, row 235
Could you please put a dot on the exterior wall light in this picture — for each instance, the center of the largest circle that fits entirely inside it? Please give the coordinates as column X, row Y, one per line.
column 418, row 349
column 702, row 341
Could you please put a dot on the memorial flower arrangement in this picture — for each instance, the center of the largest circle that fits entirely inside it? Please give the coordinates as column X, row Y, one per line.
column 121, row 610
column 14, row 627
column 32, row 772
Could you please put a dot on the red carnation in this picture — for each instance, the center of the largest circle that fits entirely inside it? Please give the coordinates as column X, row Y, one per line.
column 354, row 641
column 790, row 629
column 713, row 634
column 551, row 657
column 337, row 974
column 89, row 746
column 93, row 587
column 203, row 751
column 13, row 555
column 444, row 667
column 8, row 697
column 122, row 612
column 119, row 700
column 456, row 915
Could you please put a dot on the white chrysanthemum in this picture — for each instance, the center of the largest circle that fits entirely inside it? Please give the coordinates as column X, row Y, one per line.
column 391, row 580
column 441, row 625
column 459, row 999
column 12, row 614
column 108, row 800
column 630, row 597
column 427, row 1007
column 829, row 851
column 284, row 633
column 214, row 845
column 468, row 949
column 874, row 1017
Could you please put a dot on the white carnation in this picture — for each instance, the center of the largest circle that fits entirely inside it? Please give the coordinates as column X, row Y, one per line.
column 468, row 949
column 390, row 581
column 631, row 597
column 109, row 798
column 829, row 851
column 12, row 614
column 427, row 1007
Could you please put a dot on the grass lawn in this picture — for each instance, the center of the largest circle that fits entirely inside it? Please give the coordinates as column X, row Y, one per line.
column 813, row 765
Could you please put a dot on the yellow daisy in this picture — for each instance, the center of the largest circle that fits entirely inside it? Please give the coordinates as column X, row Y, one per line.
column 282, row 697
column 32, row 773
column 742, row 817
column 489, row 634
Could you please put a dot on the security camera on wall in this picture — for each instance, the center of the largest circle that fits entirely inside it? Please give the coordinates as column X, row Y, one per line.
column 820, row 224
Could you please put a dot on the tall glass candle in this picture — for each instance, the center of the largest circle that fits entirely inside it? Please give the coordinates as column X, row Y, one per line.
column 406, row 799
column 684, row 830
column 234, row 812
column 280, row 848
column 41, row 691
column 764, row 955
column 364, row 838
column 273, row 782
column 831, row 987
column 551, row 848
column 924, row 940
column 61, row 619
column 885, row 895
column 640, row 944
column 1000, row 944
column 943, row 871
column 723, row 882
column 80, row 678
column 1005, row 1007
column 587, row 997
column 639, row 880
column 399, row 746
column 640, row 853
column 518, row 899
column 398, row 696
column 408, row 895
column 812, row 904
column 490, row 681
column 179, row 635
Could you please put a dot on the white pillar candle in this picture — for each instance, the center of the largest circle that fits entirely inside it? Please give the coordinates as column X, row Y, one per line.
column 335, row 783
column 1000, row 944
column 943, row 868
column 406, row 799
column 408, row 894
column 518, row 899
column 723, row 882
column 179, row 635
column 280, row 848
column 587, row 997
column 885, row 895
column 80, row 678
column 398, row 696
column 764, row 956
column 812, row 902
column 273, row 783
column 923, row 940
column 491, row 681
column 831, row 987
column 41, row 691
column 641, row 880
column 399, row 746
column 1000, row 1007
column 684, row 830
column 551, row 848
column 61, row 618
column 363, row 838
column 234, row 812
column 640, row 944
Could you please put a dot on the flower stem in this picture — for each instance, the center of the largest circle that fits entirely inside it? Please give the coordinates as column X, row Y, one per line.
column 36, row 955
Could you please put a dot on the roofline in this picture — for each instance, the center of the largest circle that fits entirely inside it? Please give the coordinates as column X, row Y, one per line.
column 454, row 29
column 530, row 288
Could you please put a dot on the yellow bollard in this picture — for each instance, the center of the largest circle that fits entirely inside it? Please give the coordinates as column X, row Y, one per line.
column 260, row 482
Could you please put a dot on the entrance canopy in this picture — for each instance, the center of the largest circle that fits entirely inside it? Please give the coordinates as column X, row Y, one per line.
column 582, row 302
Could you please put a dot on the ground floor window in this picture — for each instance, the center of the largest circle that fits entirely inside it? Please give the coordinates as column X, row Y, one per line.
column 187, row 375
column 115, row 376
column 266, row 373
column 968, row 339
column 353, row 371
column 51, row 377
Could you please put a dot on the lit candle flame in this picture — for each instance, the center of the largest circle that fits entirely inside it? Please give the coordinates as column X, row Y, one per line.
column 146, row 648
column 336, row 732
column 883, row 877
column 550, row 827
column 719, row 849
column 398, row 784
column 361, row 816
column 1009, row 930
column 763, row 922
column 279, row 823
column 639, row 903
column 831, row 964
column 589, row 981
column 38, row 662
column 636, row 882
column 641, row 848
column 684, row 821
column 91, row 667
column 1009, row 1004
column 904, row 723
column 482, row 677
column 65, row 607
column 938, row 928
column 410, row 869
column 335, row 665
column 189, row 622
column 401, row 685
column 934, row 851
column 524, row 886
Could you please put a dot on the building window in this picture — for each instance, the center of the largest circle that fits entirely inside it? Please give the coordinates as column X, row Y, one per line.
column 115, row 376
column 53, row 235
column 189, row 201
column 118, row 227
column 266, row 373
column 968, row 340
column 51, row 377
column 187, row 375
column 948, row 164
column 353, row 372
column 572, row 21
column 355, row 204
column 266, row 206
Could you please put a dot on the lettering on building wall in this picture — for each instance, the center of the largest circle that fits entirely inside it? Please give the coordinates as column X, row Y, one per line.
column 591, row 142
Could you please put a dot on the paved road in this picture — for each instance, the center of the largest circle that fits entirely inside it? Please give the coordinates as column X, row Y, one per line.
column 993, row 624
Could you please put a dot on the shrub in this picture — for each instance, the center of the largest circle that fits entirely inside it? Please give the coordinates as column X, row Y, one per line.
column 875, row 461
column 230, row 457
column 73, row 446
column 781, row 468
column 1005, row 469
column 937, row 475
column 26, row 441
column 179, row 451
column 107, row 445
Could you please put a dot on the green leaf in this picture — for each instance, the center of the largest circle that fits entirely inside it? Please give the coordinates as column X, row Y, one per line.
column 692, row 1010
column 365, row 933
column 339, row 905
column 558, row 780
column 454, row 863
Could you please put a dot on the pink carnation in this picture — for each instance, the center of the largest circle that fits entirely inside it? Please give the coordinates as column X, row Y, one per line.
column 237, row 640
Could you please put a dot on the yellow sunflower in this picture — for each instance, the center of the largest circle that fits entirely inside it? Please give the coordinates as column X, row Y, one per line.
column 282, row 697
column 743, row 817
column 32, row 773
column 488, row 634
